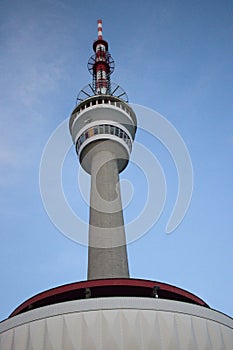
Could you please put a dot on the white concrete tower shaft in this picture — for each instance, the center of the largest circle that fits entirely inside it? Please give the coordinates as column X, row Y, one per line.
column 107, row 256
column 103, row 127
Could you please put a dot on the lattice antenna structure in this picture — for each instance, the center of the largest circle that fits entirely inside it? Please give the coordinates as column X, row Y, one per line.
column 101, row 65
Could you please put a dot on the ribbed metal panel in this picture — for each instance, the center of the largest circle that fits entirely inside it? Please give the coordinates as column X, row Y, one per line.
column 118, row 324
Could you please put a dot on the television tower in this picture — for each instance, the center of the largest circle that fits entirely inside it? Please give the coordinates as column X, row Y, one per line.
column 111, row 310
column 103, row 127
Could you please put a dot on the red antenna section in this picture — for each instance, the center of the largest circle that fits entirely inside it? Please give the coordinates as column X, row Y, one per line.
column 100, row 35
column 101, row 65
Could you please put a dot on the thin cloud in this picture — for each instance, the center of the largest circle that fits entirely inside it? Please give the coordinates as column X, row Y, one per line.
column 32, row 66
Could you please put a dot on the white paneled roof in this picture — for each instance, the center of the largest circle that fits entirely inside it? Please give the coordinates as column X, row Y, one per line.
column 118, row 324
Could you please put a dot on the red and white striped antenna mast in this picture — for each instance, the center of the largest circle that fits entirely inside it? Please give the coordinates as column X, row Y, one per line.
column 101, row 66
column 100, row 35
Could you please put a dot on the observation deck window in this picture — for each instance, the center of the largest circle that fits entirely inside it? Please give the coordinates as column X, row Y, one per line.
column 112, row 130
column 105, row 129
column 90, row 132
column 95, row 130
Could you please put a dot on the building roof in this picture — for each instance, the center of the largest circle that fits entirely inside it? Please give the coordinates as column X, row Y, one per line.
column 108, row 288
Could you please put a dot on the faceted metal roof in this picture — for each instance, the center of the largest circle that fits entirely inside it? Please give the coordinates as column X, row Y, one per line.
column 118, row 323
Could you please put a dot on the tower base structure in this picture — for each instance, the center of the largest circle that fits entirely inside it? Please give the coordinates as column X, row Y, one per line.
column 116, row 314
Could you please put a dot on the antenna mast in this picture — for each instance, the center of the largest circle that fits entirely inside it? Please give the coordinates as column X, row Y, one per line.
column 101, row 65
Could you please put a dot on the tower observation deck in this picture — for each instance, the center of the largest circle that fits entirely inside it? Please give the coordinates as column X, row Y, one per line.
column 103, row 128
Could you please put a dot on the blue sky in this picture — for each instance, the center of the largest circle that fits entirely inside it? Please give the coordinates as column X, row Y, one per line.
column 171, row 56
